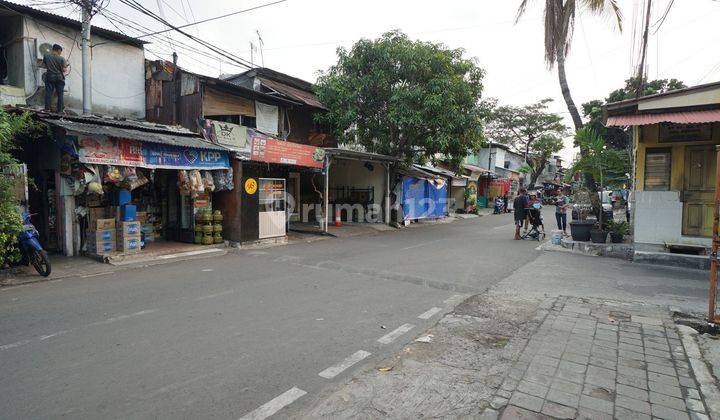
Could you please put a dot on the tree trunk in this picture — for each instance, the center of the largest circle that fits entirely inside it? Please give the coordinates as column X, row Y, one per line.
column 565, row 89
column 577, row 122
column 535, row 174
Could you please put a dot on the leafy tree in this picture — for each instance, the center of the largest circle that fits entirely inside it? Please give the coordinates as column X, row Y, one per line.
column 411, row 99
column 10, row 221
column 614, row 136
column 529, row 130
column 559, row 24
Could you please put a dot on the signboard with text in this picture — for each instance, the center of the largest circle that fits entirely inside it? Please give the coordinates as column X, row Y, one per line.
column 277, row 151
column 126, row 152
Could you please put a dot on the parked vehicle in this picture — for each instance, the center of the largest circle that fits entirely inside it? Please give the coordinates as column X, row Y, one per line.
column 499, row 206
column 29, row 244
column 606, row 199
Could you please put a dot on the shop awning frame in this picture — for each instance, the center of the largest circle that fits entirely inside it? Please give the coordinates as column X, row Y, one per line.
column 688, row 117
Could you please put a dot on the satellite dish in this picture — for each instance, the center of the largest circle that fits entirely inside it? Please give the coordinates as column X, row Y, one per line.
column 45, row 48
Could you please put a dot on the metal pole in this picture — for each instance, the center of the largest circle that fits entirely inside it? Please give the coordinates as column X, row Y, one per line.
column 387, row 193
column 715, row 243
column 86, row 62
column 326, row 198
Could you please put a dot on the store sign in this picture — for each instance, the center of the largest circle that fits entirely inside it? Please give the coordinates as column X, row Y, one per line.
column 232, row 135
column 126, row 152
column 251, row 186
column 287, row 153
column 670, row 132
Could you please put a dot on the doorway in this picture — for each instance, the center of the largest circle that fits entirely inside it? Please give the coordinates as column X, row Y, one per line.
column 698, row 193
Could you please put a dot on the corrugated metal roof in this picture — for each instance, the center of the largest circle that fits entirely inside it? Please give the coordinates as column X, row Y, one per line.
column 196, row 141
column 356, row 154
column 691, row 117
column 308, row 98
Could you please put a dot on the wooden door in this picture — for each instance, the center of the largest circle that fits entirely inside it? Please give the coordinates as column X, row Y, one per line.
column 698, row 191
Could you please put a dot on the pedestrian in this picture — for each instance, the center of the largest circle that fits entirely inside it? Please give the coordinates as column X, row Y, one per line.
column 536, row 203
column 519, row 204
column 561, row 205
column 505, row 204
column 55, row 65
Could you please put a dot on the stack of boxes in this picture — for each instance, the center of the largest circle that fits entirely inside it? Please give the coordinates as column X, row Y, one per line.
column 100, row 236
column 129, row 236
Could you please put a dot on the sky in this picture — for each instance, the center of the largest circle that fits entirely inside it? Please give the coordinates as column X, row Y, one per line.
column 300, row 38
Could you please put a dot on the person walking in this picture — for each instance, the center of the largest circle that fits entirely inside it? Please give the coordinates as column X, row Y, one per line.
column 56, row 65
column 561, row 205
column 519, row 205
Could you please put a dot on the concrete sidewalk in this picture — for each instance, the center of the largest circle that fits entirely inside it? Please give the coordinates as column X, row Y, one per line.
column 525, row 349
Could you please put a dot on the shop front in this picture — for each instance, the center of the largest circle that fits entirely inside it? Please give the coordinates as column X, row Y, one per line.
column 133, row 191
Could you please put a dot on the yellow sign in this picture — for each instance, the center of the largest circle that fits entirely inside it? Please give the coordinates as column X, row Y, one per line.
column 251, row 186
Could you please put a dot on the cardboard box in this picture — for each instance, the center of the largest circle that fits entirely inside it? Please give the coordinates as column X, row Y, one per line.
column 94, row 214
column 101, row 235
column 103, row 224
column 129, row 245
column 104, row 247
column 129, row 229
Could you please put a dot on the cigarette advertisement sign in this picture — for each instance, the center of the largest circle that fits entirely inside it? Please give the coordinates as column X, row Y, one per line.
column 277, row 151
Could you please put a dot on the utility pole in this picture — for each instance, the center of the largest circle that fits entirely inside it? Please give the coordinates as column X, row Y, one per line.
column 261, row 44
column 641, row 67
column 86, row 59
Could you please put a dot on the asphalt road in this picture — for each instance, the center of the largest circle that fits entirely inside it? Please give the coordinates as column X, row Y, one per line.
column 247, row 333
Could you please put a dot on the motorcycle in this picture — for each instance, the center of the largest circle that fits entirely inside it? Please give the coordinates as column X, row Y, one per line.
column 29, row 244
column 499, row 206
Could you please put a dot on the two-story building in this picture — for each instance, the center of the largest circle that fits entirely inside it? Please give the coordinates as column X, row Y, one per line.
column 26, row 34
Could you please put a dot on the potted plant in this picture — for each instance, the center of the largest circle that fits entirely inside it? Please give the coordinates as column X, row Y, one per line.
column 598, row 235
column 605, row 164
column 618, row 230
column 580, row 228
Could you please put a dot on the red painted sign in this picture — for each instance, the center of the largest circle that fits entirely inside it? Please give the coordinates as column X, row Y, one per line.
column 277, row 151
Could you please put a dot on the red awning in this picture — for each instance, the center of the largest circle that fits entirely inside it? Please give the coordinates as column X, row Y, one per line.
column 693, row 117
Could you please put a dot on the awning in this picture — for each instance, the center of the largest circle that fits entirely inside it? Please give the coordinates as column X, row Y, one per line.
column 337, row 152
column 484, row 172
column 123, row 146
column 691, row 117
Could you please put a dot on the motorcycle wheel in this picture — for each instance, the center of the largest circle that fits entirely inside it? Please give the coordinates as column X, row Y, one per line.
column 39, row 260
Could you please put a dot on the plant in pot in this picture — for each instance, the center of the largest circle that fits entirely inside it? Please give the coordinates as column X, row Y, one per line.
column 598, row 235
column 618, row 231
column 605, row 164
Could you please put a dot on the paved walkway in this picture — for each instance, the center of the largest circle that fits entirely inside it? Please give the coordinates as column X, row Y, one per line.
column 599, row 359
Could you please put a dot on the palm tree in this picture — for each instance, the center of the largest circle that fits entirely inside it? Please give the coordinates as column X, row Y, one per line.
column 559, row 24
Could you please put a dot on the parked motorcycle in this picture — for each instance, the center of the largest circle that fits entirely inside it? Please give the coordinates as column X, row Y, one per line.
column 499, row 206
column 29, row 244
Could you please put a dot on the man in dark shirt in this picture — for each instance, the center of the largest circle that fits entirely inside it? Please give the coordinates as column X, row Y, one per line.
column 55, row 77
column 519, row 204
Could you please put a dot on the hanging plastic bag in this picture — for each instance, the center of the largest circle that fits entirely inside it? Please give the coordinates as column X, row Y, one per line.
column 140, row 180
column 129, row 173
column 113, row 175
column 209, row 183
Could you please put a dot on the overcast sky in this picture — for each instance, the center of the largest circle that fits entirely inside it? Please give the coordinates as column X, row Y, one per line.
column 301, row 36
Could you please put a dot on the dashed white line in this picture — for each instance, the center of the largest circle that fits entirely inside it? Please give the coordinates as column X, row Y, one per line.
column 429, row 313
column 96, row 274
column 394, row 334
column 56, row 334
column 15, row 344
column 276, row 404
column 335, row 370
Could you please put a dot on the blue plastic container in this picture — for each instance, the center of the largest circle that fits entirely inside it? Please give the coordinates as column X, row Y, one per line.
column 124, row 197
column 128, row 212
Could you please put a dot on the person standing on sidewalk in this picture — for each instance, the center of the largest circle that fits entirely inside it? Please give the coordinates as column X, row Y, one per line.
column 519, row 204
column 56, row 66
column 561, row 204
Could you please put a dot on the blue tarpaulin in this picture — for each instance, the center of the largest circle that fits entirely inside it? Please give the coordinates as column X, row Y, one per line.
column 423, row 198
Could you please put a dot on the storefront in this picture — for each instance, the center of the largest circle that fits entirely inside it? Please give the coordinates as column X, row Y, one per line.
column 130, row 189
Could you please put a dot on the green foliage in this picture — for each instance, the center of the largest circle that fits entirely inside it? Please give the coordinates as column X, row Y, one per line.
column 10, row 221
column 411, row 99
column 614, row 136
column 531, row 131
column 619, row 228
column 608, row 166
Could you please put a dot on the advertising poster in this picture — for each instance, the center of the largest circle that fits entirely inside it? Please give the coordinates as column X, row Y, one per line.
column 278, row 151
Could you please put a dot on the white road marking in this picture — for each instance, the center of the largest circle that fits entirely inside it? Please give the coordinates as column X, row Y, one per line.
column 207, row 270
column 96, row 274
column 454, row 299
column 273, row 406
column 121, row 317
column 187, row 254
column 227, row 292
column 429, row 313
column 45, row 337
column 394, row 334
column 15, row 344
column 335, row 370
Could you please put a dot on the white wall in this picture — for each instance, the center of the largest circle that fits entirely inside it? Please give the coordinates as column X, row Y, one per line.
column 118, row 71
column 658, row 219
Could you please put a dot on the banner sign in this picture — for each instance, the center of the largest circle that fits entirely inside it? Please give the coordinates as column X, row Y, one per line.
column 126, row 152
column 232, row 135
column 277, row 151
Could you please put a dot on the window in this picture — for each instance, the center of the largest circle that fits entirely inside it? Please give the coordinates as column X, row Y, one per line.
column 657, row 169
column 506, row 164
